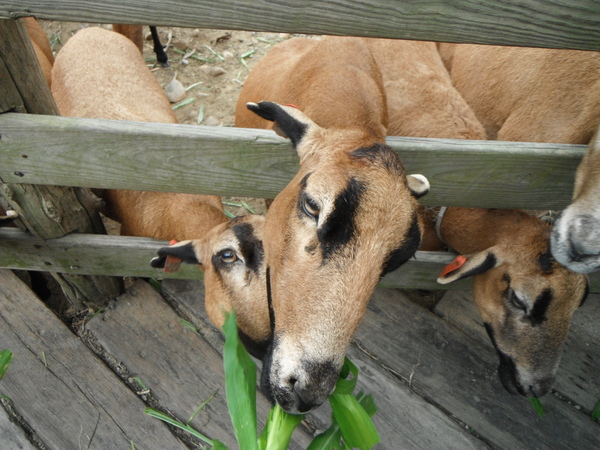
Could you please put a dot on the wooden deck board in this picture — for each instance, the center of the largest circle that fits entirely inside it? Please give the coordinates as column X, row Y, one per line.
column 404, row 420
column 179, row 367
column 61, row 390
column 458, row 374
column 12, row 435
column 436, row 387
column 578, row 377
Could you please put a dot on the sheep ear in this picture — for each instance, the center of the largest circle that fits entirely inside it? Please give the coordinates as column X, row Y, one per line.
column 289, row 121
column 418, row 185
column 466, row 266
column 170, row 257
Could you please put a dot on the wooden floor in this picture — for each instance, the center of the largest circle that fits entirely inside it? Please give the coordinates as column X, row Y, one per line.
column 433, row 376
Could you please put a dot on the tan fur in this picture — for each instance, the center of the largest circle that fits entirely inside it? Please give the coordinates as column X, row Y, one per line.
column 237, row 288
column 113, row 82
column 41, row 46
column 528, row 94
column 422, row 102
column 517, row 240
column 339, row 91
column 576, row 235
column 133, row 32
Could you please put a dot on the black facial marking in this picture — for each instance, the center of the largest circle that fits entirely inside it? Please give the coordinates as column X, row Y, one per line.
column 545, row 260
column 250, row 246
column 270, row 301
column 406, row 251
column 339, row 228
column 382, row 155
column 258, row 349
column 507, row 368
column 542, row 302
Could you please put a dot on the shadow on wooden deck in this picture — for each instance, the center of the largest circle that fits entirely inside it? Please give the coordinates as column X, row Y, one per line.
column 433, row 376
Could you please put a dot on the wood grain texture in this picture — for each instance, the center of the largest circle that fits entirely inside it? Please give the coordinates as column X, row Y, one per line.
column 404, row 420
column 11, row 435
column 458, row 374
column 180, row 369
column 63, row 391
column 578, row 377
column 559, row 23
column 47, row 211
column 95, row 254
column 257, row 163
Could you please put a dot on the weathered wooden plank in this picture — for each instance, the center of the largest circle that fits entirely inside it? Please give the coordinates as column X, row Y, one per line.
column 63, row 391
column 48, row 211
column 458, row 374
column 578, row 377
column 560, row 23
column 9, row 99
column 91, row 254
column 257, row 163
column 404, row 419
column 16, row 51
column 180, row 369
column 11, row 435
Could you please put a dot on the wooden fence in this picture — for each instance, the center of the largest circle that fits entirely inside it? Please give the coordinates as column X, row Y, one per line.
column 39, row 150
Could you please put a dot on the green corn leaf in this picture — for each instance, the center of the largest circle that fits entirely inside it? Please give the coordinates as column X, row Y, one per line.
column 537, row 405
column 596, row 412
column 355, row 424
column 5, row 359
column 345, row 385
column 278, row 429
column 331, row 438
column 240, row 386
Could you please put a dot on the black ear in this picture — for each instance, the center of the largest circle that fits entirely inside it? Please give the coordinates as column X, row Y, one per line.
column 288, row 120
column 183, row 250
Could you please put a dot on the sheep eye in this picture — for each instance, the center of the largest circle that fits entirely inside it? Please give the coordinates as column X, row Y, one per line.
column 516, row 301
column 228, row 256
column 311, row 208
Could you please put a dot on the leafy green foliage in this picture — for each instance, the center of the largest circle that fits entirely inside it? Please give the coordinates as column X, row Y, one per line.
column 351, row 426
column 596, row 412
column 240, row 386
column 537, row 405
column 5, row 359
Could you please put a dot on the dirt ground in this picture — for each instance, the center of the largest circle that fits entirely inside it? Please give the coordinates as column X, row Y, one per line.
column 210, row 64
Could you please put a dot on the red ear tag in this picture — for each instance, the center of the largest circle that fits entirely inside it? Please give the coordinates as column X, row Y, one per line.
column 456, row 264
column 172, row 263
column 292, row 105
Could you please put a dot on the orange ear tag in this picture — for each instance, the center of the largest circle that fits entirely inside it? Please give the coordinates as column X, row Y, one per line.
column 172, row 263
column 456, row 264
column 292, row 105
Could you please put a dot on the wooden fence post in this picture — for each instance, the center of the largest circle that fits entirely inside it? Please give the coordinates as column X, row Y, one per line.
column 47, row 211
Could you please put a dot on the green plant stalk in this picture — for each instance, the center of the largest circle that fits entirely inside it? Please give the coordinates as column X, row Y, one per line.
column 331, row 438
column 176, row 423
column 596, row 412
column 5, row 359
column 278, row 430
column 537, row 405
column 240, row 386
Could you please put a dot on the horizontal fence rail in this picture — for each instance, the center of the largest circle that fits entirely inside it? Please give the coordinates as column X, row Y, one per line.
column 53, row 150
column 94, row 254
column 533, row 23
